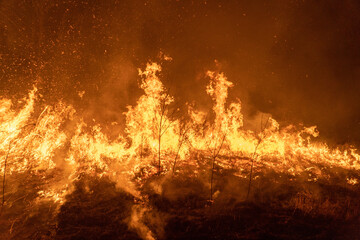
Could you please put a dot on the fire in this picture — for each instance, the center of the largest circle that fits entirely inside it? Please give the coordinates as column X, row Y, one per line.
column 157, row 141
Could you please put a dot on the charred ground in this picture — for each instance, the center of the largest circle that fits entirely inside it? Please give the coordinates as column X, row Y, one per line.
column 279, row 207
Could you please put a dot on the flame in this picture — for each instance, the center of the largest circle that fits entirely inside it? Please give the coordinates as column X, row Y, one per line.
column 155, row 138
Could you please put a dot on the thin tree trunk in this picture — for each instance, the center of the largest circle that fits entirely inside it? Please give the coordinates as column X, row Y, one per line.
column 213, row 166
column 253, row 159
column 160, row 126
column 251, row 171
column 141, row 147
column 181, row 141
column 159, row 154
column 4, row 178
column 212, row 177
column 177, row 154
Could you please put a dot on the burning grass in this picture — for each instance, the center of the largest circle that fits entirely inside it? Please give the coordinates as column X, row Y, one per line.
column 198, row 176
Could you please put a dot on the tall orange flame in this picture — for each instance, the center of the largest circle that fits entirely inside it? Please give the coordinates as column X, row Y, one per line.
column 155, row 140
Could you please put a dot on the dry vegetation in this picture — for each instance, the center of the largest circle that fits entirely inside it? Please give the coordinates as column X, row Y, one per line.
column 198, row 177
column 280, row 207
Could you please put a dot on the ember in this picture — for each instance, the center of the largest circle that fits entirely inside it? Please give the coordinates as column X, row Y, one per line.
column 168, row 168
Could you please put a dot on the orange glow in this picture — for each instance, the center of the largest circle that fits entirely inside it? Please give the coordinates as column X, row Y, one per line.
column 156, row 137
column 32, row 142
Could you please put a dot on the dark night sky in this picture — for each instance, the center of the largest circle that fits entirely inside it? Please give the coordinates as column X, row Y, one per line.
column 297, row 60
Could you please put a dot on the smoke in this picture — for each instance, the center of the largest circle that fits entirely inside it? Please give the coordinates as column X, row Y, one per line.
column 296, row 60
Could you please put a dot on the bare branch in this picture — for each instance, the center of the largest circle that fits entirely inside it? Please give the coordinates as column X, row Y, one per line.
column 183, row 131
column 253, row 158
column 213, row 166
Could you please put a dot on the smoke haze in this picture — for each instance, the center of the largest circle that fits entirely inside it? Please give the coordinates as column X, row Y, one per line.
column 296, row 60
